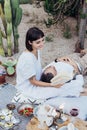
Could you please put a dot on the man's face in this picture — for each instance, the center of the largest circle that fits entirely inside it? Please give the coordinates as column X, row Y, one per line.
column 50, row 69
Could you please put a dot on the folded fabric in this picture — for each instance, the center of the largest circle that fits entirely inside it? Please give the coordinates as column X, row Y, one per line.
column 62, row 77
column 20, row 98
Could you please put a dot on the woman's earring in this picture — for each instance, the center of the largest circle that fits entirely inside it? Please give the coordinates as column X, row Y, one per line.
column 29, row 42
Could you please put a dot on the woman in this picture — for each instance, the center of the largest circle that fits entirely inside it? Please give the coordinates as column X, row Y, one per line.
column 29, row 69
column 29, row 65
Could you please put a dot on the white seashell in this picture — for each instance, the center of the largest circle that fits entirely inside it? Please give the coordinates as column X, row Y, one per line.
column 64, row 118
column 5, row 112
column 8, row 125
column 10, row 112
column 70, row 126
column 1, row 123
column 49, row 121
column 54, row 113
column 10, row 115
column 14, row 120
column 2, row 117
column 7, row 118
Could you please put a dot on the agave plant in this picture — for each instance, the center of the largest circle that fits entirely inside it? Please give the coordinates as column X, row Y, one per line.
column 10, row 66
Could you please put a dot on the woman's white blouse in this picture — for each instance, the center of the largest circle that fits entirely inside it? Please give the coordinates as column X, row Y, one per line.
column 28, row 65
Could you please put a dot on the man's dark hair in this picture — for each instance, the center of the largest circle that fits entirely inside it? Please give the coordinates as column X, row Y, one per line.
column 46, row 77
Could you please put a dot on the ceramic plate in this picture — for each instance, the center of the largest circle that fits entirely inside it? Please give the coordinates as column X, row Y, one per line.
column 25, row 109
column 65, row 128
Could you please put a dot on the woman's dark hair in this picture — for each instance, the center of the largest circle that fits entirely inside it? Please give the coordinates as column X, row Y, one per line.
column 33, row 34
column 46, row 77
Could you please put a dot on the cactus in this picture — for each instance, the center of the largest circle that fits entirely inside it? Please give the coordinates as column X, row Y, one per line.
column 9, row 29
column 1, row 44
column 16, row 19
column 3, row 17
column 11, row 15
column 7, row 10
column 8, row 16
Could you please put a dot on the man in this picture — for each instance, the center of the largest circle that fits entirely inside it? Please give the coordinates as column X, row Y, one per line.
column 61, row 67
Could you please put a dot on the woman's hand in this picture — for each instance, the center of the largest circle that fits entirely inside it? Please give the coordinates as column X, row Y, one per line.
column 57, row 86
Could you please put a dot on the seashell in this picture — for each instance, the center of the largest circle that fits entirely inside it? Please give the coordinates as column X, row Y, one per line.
column 5, row 112
column 70, row 126
column 1, row 123
column 64, row 118
column 7, row 118
column 14, row 120
column 8, row 125
column 2, row 117
column 49, row 121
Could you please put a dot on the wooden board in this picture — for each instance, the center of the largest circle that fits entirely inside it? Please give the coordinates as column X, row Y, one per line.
column 80, row 124
column 33, row 125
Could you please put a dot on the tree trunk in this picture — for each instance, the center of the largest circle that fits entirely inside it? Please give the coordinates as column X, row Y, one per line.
column 82, row 30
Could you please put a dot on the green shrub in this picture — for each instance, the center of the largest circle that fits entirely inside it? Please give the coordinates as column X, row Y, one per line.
column 83, row 15
column 49, row 38
column 26, row 1
column 49, row 22
column 67, row 32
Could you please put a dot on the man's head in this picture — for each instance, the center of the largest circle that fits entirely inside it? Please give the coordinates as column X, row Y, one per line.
column 48, row 74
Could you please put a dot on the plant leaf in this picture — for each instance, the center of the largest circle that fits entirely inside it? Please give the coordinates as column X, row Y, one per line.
column 9, row 63
column 10, row 70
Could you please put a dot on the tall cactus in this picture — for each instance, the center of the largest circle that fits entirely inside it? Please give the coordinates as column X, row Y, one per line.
column 11, row 15
column 3, row 16
column 16, row 19
column 2, row 33
column 1, row 44
column 8, row 16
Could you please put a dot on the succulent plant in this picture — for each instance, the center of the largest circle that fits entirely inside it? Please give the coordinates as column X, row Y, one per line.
column 10, row 66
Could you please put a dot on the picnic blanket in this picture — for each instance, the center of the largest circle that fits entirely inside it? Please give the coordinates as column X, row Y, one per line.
column 71, row 102
column 8, row 91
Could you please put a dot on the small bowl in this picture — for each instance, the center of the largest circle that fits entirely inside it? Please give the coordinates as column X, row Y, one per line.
column 25, row 109
column 11, row 106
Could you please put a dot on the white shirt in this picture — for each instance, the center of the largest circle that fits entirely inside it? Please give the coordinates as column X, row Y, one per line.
column 28, row 65
column 61, row 67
